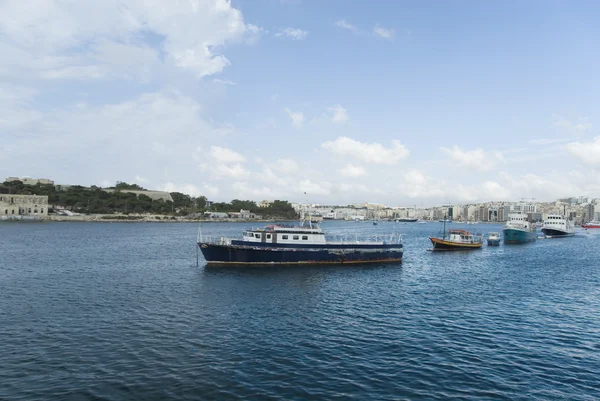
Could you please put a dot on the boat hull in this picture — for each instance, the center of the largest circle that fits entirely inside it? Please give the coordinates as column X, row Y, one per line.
column 553, row 233
column 261, row 255
column 445, row 245
column 515, row 236
column 493, row 242
column 590, row 226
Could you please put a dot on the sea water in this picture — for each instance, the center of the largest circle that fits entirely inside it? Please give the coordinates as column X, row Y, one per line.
column 120, row 311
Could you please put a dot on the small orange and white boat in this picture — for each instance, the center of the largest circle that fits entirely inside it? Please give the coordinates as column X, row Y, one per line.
column 456, row 240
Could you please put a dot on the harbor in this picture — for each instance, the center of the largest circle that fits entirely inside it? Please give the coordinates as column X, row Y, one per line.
column 130, row 300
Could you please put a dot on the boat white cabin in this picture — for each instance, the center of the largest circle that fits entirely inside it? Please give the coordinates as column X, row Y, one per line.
column 282, row 234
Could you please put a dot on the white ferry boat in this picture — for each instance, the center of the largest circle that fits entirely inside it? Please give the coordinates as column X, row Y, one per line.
column 556, row 225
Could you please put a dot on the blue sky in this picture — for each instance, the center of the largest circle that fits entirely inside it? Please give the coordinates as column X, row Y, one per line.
column 393, row 102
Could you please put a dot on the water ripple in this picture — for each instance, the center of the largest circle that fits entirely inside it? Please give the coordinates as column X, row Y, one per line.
column 120, row 312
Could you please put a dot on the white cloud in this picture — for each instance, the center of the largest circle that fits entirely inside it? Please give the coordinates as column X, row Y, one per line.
column 353, row 171
column 384, row 33
column 581, row 126
column 587, row 152
column 352, row 188
column 83, row 40
column 224, row 81
column 368, row 152
column 297, row 117
column 414, row 177
column 345, row 25
column 236, row 171
column 292, row 33
column 312, row 188
column 338, row 114
column 287, row 166
column 475, row 159
column 244, row 190
column 141, row 179
column 79, row 136
column 225, row 155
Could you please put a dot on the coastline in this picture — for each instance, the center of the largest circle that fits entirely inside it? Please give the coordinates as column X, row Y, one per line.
column 111, row 218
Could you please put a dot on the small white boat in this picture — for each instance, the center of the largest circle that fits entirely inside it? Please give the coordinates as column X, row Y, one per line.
column 493, row 239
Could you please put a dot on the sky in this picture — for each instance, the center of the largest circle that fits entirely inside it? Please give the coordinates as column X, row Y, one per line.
column 333, row 102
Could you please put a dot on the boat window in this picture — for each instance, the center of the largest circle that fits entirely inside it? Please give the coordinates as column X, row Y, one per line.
column 296, row 237
column 268, row 236
column 305, row 237
column 284, row 237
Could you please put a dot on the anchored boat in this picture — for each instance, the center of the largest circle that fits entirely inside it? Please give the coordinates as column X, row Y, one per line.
column 556, row 226
column 456, row 240
column 493, row 239
column 301, row 244
column 591, row 224
column 518, row 229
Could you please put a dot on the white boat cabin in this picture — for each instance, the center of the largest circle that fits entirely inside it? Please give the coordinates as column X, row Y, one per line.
column 463, row 237
column 285, row 235
column 518, row 221
column 556, row 221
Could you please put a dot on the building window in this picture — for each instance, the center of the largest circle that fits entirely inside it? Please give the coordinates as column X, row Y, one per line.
column 29, row 210
column 13, row 211
column 296, row 237
column 305, row 237
column 5, row 211
column 284, row 237
column 42, row 211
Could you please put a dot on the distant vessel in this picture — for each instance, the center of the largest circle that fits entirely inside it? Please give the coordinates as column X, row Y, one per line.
column 591, row 224
column 518, row 230
column 407, row 220
column 300, row 244
column 456, row 240
column 556, row 225
column 493, row 239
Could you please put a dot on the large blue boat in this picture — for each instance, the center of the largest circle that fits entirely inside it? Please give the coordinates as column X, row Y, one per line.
column 518, row 229
column 300, row 244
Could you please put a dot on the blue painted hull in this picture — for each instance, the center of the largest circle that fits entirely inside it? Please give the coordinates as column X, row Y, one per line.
column 323, row 254
column 514, row 236
column 493, row 242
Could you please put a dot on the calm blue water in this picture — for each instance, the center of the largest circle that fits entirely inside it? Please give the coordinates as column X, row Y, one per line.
column 119, row 311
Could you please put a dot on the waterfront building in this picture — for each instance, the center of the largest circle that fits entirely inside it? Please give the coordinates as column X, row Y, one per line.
column 23, row 205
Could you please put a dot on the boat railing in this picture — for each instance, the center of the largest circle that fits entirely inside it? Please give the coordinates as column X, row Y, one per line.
column 365, row 238
column 380, row 239
column 215, row 240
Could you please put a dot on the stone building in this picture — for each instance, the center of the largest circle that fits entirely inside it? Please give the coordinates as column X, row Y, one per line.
column 23, row 205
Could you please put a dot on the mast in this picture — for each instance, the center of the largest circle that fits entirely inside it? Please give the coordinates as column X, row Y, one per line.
column 444, row 232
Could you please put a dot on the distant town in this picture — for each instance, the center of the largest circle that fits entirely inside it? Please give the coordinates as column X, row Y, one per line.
column 580, row 209
column 40, row 198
